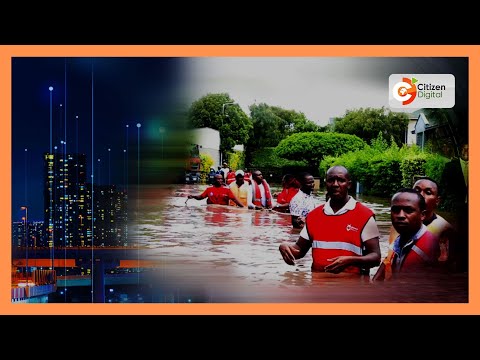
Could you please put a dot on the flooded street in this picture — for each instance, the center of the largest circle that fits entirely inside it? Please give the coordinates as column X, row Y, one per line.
column 215, row 253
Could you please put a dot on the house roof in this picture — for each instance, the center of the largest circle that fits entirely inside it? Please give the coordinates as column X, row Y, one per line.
column 424, row 124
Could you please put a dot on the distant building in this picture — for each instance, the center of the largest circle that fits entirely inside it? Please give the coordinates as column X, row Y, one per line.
column 435, row 131
column 34, row 234
column 110, row 216
column 239, row 148
column 410, row 137
column 64, row 193
column 18, row 233
column 208, row 141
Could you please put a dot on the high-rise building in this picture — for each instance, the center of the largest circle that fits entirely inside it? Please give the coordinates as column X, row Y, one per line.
column 68, row 206
column 110, row 216
column 33, row 231
column 18, row 234
column 64, row 199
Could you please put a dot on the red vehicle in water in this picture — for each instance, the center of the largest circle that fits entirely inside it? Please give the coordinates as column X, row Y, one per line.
column 193, row 166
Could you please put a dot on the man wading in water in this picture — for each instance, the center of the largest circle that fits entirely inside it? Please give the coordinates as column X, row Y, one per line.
column 342, row 233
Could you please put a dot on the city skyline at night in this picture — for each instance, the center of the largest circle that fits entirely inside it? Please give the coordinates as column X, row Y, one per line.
column 87, row 106
column 85, row 137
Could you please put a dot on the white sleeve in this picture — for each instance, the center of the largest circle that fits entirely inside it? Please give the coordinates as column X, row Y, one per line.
column 370, row 230
column 249, row 195
column 294, row 206
column 304, row 233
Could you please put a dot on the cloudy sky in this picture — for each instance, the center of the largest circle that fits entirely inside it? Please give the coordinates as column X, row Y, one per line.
column 320, row 87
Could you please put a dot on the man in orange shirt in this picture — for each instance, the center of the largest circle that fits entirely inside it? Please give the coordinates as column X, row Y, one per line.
column 241, row 189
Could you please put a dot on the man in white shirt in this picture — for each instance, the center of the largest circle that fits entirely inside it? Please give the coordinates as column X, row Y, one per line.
column 225, row 170
column 303, row 202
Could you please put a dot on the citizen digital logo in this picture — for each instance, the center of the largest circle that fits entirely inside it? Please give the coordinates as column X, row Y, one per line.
column 421, row 90
column 351, row 228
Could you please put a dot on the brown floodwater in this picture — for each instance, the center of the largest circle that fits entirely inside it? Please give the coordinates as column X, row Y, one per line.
column 215, row 253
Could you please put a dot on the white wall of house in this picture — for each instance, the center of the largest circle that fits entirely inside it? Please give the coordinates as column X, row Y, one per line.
column 420, row 127
column 209, row 141
column 411, row 138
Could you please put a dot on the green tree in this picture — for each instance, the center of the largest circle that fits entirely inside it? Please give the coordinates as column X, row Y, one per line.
column 294, row 121
column 268, row 128
column 236, row 160
column 206, row 162
column 230, row 120
column 268, row 163
column 382, row 169
column 271, row 124
column 367, row 123
column 312, row 147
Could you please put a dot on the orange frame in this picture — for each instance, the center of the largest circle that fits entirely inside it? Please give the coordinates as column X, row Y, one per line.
column 9, row 51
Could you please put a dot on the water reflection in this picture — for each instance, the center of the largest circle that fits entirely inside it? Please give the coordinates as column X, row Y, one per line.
column 215, row 253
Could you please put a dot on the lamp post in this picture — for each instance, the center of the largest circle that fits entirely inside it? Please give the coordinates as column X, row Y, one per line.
column 25, row 218
column 138, row 197
column 26, row 167
column 224, row 105
column 124, row 170
column 54, row 207
column 109, row 180
column 64, row 205
column 51, row 187
column 50, row 88
column 98, row 171
column 138, row 156
column 126, row 151
column 35, row 250
column 161, row 130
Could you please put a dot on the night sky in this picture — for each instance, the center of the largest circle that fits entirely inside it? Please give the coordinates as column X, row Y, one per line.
column 126, row 91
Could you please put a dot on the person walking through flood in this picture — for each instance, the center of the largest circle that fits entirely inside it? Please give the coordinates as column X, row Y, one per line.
column 261, row 195
column 217, row 194
column 342, row 233
column 241, row 189
column 290, row 188
column 211, row 176
column 415, row 250
column 303, row 202
column 436, row 224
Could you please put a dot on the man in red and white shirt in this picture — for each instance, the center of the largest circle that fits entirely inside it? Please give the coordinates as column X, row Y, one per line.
column 217, row 194
column 342, row 233
column 261, row 195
